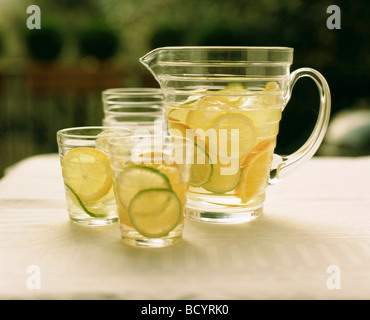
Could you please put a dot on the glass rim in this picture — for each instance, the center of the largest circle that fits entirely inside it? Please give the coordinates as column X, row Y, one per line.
column 193, row 55
column 132, row 91
column 231, row 48
column 135, row 111
column 68, row 132
column 112, row 140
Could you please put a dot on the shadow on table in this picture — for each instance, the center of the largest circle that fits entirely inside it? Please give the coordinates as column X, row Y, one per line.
column 204, row 247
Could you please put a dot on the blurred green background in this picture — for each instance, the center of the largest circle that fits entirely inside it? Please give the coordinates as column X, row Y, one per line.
column 53, row 77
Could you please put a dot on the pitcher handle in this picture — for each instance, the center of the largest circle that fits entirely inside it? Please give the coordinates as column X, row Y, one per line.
column 284, row 165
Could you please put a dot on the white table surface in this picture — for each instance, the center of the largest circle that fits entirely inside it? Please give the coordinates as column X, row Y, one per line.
column 317, row 218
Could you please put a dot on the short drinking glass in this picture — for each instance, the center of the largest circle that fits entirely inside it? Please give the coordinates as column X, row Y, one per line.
column 151, row 176
column 87, row 174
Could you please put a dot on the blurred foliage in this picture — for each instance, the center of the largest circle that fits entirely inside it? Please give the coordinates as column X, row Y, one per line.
column 167, row 35
column 44, row 44
column 342, row 56
column 221, row 35
column 98, row 42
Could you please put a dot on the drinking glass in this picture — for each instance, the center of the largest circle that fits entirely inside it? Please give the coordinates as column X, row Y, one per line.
column 87, row 175
column 140, row 109
column 151, row 176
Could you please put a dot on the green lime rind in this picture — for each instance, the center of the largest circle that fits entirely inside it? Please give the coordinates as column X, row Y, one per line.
column 149, row 220
column 222, row 185
column 84, row 208
column 135, row 178
column 203, row 169
column 190, row 101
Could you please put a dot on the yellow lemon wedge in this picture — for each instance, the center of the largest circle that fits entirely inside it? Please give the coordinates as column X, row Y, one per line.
column 256, row 169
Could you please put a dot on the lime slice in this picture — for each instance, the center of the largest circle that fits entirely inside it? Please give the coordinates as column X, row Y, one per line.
column 83, row 206
column 235, row 86
column 135, row 178
column 155, row 212
column 221, row 183
column 202, row 168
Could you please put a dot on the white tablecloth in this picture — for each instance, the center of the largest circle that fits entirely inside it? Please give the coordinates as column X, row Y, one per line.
column 313, row 242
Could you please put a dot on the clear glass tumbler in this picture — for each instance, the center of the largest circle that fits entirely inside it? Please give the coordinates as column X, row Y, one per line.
column 140, row 109
column 151, row 177
column 87, row 174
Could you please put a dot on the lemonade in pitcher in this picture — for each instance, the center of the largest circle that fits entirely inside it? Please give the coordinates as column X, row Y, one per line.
column 229, row 100
column 234, row 131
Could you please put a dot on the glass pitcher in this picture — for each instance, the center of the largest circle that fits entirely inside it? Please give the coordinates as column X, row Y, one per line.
column 229, row 100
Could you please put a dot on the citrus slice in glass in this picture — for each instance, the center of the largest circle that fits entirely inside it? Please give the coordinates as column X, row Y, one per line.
column 102, row 138
column 178, row 114
column 155, row 212
column 199, row 119
column 205, row 109
column 236, row 93
column 231, row 128
column 202, row 168
column 88, row 173
column 136, row 178
column 177, row 128
column 221, row 182
column 255, row 172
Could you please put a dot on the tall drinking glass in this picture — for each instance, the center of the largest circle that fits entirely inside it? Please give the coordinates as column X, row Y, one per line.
column 140, row 109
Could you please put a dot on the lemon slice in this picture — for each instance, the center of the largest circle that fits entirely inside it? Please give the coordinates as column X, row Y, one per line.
column 202, row 168
column 136, row 178
column 177, row 128
column 220, row 182
column 155, row 212
column 234, row 127
column 236, row 93
column 178, row 114
column 88, row 173
column 255, row 172
column 206, row 108
column 199, row 119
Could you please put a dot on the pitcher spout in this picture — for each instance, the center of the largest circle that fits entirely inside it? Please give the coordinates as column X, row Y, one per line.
column 150, row 60
column 184, row 71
